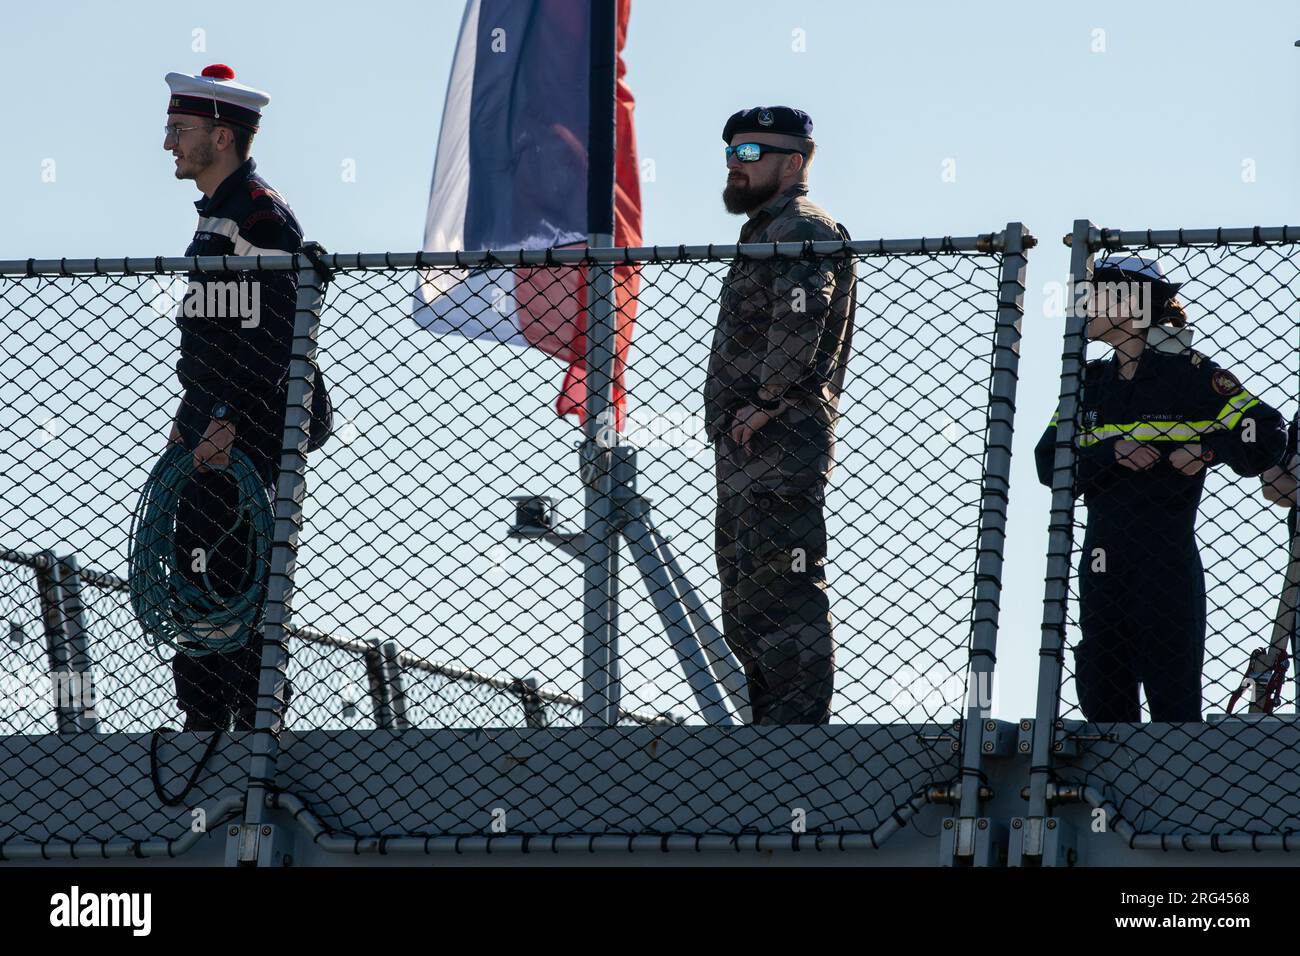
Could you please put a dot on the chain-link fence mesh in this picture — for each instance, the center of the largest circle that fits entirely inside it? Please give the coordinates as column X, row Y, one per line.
column 1179, row 549
column 436, row 633
column 415, row 516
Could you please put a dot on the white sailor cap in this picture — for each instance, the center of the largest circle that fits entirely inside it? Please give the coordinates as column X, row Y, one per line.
column 1137, row 268
column 215, row 94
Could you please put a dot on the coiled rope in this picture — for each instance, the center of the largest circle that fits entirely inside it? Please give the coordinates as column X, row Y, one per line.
column 170, row 608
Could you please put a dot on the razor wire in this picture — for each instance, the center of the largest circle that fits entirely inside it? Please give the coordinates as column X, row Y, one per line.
column 1225, row 777
column 423, row 607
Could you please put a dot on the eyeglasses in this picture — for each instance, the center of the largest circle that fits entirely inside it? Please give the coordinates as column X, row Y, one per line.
column 753, row 152
column 175, row 129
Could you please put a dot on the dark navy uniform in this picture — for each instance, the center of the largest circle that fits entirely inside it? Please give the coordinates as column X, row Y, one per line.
column 240, row 364
column 232, row 367
column 1141, row 584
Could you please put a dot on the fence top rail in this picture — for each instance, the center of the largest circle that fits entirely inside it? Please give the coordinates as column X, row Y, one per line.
column 1107, row 239
column 40, row 561
column 505, row 258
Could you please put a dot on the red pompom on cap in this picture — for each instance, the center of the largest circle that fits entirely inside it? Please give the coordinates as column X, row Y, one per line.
column 218, row 71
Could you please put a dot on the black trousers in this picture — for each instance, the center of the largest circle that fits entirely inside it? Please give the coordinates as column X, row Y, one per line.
column 215, row 690
column 1141, row 629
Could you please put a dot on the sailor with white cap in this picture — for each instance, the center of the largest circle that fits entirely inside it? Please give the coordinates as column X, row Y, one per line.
column 233, row 368
column 1152, row 422
column 215, row 94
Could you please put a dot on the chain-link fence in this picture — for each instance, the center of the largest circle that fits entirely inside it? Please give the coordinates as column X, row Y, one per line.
column 1171, row 566
column 432, row 667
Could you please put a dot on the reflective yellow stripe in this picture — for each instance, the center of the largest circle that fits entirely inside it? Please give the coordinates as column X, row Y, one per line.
column 1228, row 418
column 1236, row 408
column 1150, row 431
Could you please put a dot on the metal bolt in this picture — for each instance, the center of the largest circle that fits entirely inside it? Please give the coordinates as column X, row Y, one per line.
column 234, row 830
column 956, row 746
column 982, row 823
column 990, row 726
column 1051, row 823
column 1058, row 746
column 1016, row 824
column 988, row 746
column 1024, row 746
column 1025, row 724
column 266, row 831
column 947, row 824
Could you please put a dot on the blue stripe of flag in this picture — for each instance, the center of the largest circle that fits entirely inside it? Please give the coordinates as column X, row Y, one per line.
column 528, row 124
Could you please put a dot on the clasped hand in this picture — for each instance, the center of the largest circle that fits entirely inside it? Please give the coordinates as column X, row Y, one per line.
column 1139, row 457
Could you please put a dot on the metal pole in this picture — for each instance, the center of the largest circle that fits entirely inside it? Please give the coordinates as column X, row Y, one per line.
column 726, row 669
column 993, row 514
column 375, row 677
column 56, row 636
column 1293, row 564
column 289, row 493
column 600, row 692
column 77, row 634
column 1294, row 526
column 1060, row 546
column 676, row 623
column 395, row 695
column 534, row 706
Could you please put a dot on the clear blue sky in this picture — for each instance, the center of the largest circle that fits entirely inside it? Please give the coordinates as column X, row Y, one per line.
column 1152, row 132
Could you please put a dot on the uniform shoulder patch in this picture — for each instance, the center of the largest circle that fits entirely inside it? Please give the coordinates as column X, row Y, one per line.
column 1196, row 358
column 1225, row 383
column 258, row 190
column 263, row 215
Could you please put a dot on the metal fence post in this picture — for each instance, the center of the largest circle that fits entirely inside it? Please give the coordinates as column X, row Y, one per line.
column 79, row 661
column 375, row 677
column 534, row 706
column 1051, row 656
column 289, row 493
column 56, row 643
column 394, row 694
column 63, row 617
column 993, row 517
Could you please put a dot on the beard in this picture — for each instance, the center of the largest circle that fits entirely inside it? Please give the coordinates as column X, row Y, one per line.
column 742, row 196
column 195, row 160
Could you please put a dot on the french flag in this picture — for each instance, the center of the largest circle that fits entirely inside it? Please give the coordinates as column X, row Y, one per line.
column 511, row 172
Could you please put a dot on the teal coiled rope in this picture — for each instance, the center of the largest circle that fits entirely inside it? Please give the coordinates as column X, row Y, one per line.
column 170, row 608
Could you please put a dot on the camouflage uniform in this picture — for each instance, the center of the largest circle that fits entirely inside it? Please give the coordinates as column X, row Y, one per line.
column 783, row 335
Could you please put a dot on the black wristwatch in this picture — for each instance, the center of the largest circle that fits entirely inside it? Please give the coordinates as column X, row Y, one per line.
column 222, row 412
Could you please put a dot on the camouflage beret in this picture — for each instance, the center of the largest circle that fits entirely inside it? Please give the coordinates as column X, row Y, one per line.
column 769, row 119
